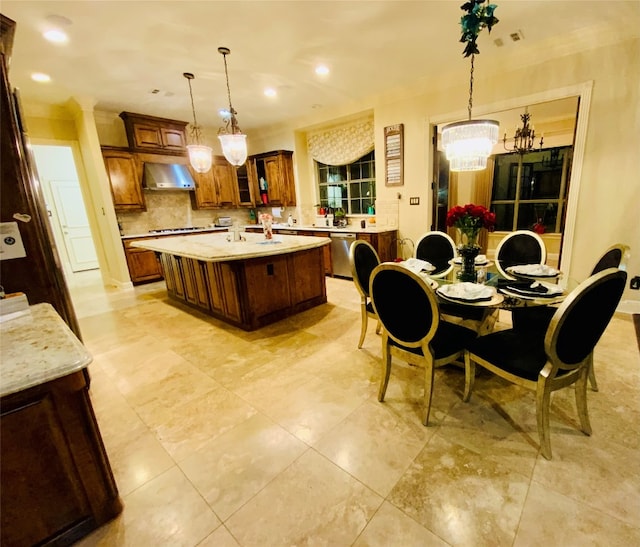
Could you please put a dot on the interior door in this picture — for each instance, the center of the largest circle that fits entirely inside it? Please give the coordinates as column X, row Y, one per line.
column 67, row 200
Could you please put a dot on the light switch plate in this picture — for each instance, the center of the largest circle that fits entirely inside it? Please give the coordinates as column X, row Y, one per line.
column 414, row 201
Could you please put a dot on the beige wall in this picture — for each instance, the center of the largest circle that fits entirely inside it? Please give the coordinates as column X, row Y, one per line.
column 609, row 185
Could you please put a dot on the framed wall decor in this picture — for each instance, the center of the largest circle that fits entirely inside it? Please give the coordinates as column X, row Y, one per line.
column 394, row 155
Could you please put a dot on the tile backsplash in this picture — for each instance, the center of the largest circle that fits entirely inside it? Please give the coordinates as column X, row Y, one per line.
column 172, row 209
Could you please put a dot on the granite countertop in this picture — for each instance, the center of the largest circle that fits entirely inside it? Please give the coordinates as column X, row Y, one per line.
column 37, row 347
column 178, row 232
column 352, row 228
column 219, row 248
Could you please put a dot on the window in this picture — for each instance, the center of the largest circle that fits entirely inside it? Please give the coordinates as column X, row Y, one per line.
column 349, row 187
column 531, row 189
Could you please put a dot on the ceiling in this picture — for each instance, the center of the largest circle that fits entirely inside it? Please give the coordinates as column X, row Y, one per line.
column 130, row 55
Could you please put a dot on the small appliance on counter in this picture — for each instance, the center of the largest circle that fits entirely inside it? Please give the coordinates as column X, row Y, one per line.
column 224, row 222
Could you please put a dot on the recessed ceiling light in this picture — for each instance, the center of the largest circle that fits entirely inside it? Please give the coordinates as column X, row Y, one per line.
column 322, row 70
column 40, row 77
column 270, row 92
column 56, row 36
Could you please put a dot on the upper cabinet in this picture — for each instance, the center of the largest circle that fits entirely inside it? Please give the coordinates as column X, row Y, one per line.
column 155, row 135
column 276, row 170
column 216, row 188
column 124, row 179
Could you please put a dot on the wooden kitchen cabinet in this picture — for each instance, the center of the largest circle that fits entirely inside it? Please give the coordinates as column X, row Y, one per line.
column 216, row 188
column 384, row 243
column 155, row 135
column 124, row 179
column 328, row 267
column 57, row 484
column 277, row 169
column 143, row 264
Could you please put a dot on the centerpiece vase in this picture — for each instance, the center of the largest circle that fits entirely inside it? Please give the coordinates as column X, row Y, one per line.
column 468, row 250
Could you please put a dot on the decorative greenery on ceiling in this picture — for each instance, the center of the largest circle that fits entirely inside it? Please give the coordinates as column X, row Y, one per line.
column 478, row 17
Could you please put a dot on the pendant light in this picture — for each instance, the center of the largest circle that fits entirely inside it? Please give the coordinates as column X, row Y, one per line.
column 233, row 141
column 468, row 144
column 200, row 156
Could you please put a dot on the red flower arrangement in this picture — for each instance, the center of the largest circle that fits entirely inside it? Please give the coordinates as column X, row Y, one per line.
column 469, row 219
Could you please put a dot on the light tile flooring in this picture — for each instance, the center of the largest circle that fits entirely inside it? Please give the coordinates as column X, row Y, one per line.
column 221, row 437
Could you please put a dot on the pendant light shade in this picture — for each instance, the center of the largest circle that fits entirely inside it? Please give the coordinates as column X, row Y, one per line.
column 232, row 140
column 200, row 156
column 469, row 144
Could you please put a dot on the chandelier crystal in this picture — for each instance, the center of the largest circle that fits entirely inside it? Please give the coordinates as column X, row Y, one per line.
column 232, row 140
column 200, row 156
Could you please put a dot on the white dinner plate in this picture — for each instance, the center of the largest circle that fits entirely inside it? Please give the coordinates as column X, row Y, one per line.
column 467, row 292
column 534, row 271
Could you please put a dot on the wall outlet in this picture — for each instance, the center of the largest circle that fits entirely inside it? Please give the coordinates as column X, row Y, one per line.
column 635, row 283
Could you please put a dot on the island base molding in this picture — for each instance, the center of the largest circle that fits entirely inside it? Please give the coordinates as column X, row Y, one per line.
column 248, row 293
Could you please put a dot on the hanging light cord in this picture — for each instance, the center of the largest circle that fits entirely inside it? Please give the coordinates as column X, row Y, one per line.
column 195, row 131
column 471, row 88
column 232, row 113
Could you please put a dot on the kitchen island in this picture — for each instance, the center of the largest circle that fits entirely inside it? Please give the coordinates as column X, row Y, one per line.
column 248, row 283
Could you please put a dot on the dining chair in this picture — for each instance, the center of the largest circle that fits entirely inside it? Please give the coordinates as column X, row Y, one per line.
column 560, row 358
column 537, row 319
column 439, row 249
column 519, row 247
column 363, row 258
column 412, row 329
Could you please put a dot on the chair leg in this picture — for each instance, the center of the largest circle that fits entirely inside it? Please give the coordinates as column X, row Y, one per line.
column 543, row 398
column 378, row 327
column 428, row 390
column 386, row 368
column 363, row 328
column 581, row 401
column 469, row 376
column 592, row 374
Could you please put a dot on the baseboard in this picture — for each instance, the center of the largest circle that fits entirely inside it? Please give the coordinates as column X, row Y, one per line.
column 629, row 306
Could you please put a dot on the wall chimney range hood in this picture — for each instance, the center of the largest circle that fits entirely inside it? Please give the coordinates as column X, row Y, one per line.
column 167, row 176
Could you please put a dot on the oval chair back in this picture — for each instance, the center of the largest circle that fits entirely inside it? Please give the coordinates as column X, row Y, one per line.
column 615, row 256
column 519, row 247
column 363, row 258
column 439, row 249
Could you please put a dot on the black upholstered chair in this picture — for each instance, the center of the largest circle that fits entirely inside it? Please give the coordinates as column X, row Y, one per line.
column 363, row 259
column 412, row 330
column 560, row 358
column 438, row 249
column 517, row 248
column 537, row 319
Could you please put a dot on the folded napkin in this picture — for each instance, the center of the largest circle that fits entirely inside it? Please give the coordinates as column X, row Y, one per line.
column 534, row 270
column 467, row 291
column 417, row 265
column 537, row 288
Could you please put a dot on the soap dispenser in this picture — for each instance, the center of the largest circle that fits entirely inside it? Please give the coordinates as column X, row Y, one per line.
column 290, row 220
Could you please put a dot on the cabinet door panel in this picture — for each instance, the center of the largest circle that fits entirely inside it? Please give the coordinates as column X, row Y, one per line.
column 206, row 193
column 143, row 265
column 173, row 139
column 226, row 184
column 50, row 500
column 268, row 284
column 126, row 189
column 147, row 136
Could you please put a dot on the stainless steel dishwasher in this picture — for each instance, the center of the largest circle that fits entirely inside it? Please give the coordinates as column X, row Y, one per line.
column 340, row 244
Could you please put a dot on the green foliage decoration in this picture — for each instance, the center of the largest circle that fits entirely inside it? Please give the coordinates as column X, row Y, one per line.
column 479, row 15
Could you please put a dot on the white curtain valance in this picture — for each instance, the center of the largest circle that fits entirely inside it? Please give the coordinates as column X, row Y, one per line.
column 342, row 145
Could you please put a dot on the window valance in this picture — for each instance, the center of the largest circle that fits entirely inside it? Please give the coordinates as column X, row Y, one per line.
column 342, row 145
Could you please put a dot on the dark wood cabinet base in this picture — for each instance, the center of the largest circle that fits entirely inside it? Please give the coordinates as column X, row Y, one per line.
column 248, row 293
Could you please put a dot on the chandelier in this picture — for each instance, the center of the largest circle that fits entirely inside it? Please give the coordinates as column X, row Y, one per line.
column 200, row 156
column 233, row 141
column 468, row 144
column 524, row 137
